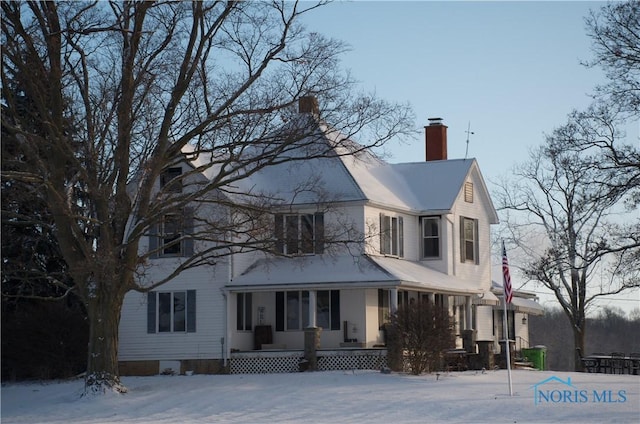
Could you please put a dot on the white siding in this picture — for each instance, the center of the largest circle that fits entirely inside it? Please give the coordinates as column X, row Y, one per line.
column 204, row 343
column 476, row 210
column 484, row 323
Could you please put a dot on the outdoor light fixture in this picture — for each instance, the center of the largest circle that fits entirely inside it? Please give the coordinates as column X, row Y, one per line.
column 524, row 320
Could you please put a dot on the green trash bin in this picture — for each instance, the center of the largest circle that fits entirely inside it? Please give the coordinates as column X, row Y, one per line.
column 537, row 355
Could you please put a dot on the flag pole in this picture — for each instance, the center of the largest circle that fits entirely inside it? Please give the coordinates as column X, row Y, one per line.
column 507, row 344
column 507, row 294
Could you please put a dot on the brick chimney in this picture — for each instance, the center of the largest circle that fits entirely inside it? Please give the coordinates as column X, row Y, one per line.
column 436, row 140
column 308, row 104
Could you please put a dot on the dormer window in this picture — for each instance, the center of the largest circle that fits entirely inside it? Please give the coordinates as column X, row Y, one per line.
column 170, row 180
column 391, row 235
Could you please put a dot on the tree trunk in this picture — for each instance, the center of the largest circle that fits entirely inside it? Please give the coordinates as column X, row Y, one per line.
column 578, row 344
column 103, row 309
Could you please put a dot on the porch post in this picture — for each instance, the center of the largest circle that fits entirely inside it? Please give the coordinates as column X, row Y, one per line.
column 467, row 313
column 393, row 301
column 312, row 308
column 226, row 348
column 311, row 337
column 468, row 334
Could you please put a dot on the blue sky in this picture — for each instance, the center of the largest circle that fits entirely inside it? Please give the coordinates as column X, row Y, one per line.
column 510, row 69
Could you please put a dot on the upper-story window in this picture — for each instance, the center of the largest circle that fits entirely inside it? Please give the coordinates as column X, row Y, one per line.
column 170, row 237
column 391, row 235
column 171, row 232
column 170, row 180
column 299, row 234
column 469, row 249
column 431, row 237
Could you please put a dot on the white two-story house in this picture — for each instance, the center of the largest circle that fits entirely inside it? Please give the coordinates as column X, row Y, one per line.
column 411, row 232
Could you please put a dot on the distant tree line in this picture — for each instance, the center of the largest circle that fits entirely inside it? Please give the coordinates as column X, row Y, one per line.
column 610, row 331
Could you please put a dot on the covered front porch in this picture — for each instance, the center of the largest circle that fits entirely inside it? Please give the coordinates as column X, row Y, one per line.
column 269, row 313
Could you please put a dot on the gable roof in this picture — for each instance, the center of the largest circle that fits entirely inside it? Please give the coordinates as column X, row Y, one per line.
column 351, row 173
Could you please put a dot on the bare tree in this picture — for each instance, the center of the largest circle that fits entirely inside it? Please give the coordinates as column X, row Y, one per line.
column 615, row 33
column 124, row 91
column 565, row 213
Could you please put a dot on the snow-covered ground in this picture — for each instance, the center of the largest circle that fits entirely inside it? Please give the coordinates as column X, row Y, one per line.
column 336, row 397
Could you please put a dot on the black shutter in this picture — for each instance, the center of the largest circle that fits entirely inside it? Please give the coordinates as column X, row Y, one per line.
column 151, row 312
column 279, row 311
column 382, row 235
column 335, row 309
column 153, row 240
column 476, row 244
column 400, row 237
column 187, row 225
column 279, row 233
column 191, row 311
column 319, row 232
column 462, row 247
column 239, row 307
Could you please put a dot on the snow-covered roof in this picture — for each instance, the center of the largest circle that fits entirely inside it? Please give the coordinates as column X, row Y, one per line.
column 324, row 271
column 522, row 301
column 412, row 274
column 417, row 186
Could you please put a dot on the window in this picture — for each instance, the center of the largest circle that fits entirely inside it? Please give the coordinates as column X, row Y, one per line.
column 468, row 240
column 170, row 234
column 498, row 324
column 292, row 310
column 431, row 237
column 168, row 238
column 171, row 312
column 299, row 234
column 170, row 180
column 468, row 192
column 243, row 311
column 383, row 307
column 391, row 235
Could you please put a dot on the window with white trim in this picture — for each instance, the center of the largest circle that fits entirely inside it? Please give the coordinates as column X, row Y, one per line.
column 170, row 236
column 430, row 237
column 170, row 180
column 469, row 250
column 383, row 308
column 243, row 312
column 391, row 235
column 292, row 310
column 171, row 312
column 299, row 234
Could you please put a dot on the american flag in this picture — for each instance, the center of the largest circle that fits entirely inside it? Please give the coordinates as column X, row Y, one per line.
column 506, row 278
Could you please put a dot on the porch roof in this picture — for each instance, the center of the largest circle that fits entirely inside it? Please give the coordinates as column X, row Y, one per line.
column 415, row 275
column 362, row 271
column 486, row 298
column 527, row 306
